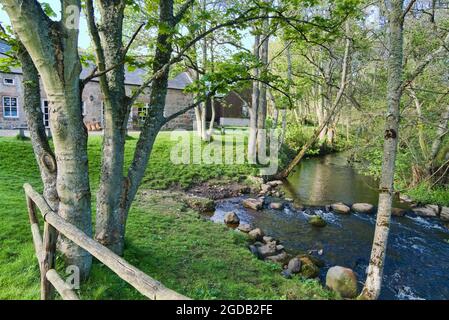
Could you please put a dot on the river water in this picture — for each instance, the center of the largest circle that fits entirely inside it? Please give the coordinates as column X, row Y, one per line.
column 417, row 264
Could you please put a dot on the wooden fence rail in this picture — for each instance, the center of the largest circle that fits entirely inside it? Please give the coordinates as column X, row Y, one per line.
column 46, row 250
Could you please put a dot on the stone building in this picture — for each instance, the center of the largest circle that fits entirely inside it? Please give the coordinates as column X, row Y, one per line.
column 12, row 115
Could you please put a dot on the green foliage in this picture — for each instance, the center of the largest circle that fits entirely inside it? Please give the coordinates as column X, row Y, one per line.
column 298, row 135
column 423, row 193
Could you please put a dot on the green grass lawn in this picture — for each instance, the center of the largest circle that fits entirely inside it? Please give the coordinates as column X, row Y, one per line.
column 195, row 257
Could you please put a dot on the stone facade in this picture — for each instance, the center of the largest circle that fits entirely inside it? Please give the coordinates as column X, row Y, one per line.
column 11, row 86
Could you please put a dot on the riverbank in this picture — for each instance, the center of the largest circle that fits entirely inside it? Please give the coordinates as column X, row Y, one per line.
column 165, row 238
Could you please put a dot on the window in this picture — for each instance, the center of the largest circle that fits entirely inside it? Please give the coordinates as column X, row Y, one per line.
column 8, row 81
column 46, row 113
column 142, row 112
column 10, row 108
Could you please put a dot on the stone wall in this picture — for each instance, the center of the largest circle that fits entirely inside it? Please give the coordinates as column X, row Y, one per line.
column 14, row 91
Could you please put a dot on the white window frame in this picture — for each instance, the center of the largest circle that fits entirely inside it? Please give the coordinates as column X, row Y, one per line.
column 17, row 107
column 43, row 112
column 9, row 84
column 145, row 109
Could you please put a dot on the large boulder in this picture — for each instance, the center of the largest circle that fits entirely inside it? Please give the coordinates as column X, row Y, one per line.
column 294, row 265
column 317, row 221
column 444, row 214
column 276, row 205
column 244, row 227
column 363, row 208
column 231, row 218
column 254, row 204
column 257, row 234
column 200, row 204
column 308, row 268
column 343, row 281
column 340, row 208
column 426, row 211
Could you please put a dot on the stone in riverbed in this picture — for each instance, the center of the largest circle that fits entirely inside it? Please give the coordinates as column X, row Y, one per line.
column 340, row 208
column 254, row 250
column 286, row 274
column 231, row 218
column 308, row 268
column 251, row 203
column 268, row 239
column 267, row 250
column 257, row 234
column 297, row 206
column 244, row 227
column 444, row 214
column 294, row 265
column 317, row 221
column 398, row 212
column 427, row 211
column 343, row 281
column 265, row 188
column 281, row 258
column 363, row 208
column 276, row 205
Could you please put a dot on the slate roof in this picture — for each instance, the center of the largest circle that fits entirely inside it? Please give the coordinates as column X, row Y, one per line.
column 135, row 77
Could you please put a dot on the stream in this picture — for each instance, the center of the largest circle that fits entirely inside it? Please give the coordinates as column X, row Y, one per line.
column 417, row 263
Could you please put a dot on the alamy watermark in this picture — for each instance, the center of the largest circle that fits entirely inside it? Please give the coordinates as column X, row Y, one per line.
column 230, row 148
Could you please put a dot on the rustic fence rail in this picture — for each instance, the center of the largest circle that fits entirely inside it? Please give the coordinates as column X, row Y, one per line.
column 46, row 251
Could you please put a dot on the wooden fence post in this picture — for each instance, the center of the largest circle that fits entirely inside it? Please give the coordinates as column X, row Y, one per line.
column 48, row 261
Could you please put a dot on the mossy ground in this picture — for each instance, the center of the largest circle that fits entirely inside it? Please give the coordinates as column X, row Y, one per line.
column 174, row 245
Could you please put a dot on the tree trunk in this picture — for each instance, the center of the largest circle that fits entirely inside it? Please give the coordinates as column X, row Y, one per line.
column 263, row 101
column 53, row 47
column 373, row 282
column 253, row 111
column 45, row 157
column 109, row 51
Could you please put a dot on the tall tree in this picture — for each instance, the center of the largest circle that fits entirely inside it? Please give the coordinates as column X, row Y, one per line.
column 373, row 282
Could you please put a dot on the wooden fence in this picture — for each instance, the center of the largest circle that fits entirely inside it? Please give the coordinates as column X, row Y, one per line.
column 46, row 251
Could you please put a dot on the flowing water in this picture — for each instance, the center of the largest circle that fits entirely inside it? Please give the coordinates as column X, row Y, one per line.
column 417, row 265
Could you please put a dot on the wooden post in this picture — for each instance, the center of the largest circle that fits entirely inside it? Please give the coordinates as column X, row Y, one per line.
column 37, row 238
column 48, row 261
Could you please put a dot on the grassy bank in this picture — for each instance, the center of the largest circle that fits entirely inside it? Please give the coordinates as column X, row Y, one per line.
column 169, row 242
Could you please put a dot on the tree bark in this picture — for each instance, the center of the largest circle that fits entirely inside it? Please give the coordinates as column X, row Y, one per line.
column 373, row 282
column 45, row 157
column 253, row 111
column 109, row 50
column 53, row 47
